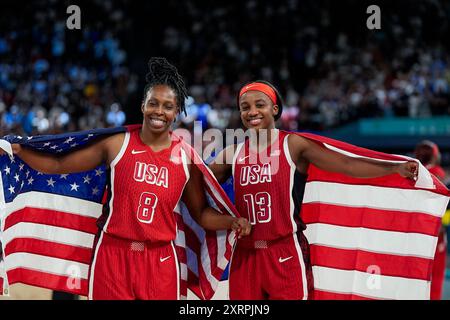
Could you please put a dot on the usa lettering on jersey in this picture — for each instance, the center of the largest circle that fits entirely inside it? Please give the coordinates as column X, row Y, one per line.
column 254, row 174
column 151, row 174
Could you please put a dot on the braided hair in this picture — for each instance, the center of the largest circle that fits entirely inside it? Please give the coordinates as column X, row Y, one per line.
column 161, row 72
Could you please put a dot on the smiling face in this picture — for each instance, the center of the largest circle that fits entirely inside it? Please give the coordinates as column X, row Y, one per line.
column 160, row 108
column 257, row 110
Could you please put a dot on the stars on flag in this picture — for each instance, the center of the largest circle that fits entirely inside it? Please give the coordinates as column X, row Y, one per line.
column 51, row 182
column 69, row 140
column 89, row 136
column 95, row 191
column 87, row 179
column 74, row 187
column 64, row 184
column 20, row 178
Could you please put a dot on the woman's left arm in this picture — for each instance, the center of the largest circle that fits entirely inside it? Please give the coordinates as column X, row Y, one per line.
column 329, row 160
column 206, row 216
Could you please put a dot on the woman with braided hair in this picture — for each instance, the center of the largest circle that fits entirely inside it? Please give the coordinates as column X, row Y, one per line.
column 135, row 257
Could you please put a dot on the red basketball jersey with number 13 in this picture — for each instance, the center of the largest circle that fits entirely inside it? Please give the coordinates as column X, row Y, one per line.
column 268, row 190
column 145, row 188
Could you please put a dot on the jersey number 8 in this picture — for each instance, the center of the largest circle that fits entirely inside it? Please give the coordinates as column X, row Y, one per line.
column 147, row 205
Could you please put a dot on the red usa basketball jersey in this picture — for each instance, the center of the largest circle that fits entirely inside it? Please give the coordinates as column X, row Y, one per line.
column 144, row 190
column 268, row 189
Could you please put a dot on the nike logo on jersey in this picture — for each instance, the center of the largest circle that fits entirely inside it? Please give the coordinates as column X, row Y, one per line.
column 137, row 152
column 242, row 159
column 164, row 259
column 281, row 260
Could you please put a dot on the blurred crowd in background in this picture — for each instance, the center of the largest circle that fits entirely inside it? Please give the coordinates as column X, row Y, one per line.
column 330, row 69
column 54, row 80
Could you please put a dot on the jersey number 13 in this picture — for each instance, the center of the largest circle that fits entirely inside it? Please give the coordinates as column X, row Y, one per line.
column 258, row 207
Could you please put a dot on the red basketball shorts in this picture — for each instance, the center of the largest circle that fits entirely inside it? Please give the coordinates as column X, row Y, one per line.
column 275, row 270
column 130, row 270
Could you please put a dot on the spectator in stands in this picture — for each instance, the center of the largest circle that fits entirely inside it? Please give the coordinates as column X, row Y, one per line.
column 428, row 154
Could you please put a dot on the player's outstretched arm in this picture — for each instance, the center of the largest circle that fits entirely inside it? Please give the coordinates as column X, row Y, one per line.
column 81, row 160
column 302, row 148
column 221, row 166
column 204, row 215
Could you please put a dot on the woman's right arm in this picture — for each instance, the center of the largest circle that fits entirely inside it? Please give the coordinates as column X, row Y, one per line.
column 87, row 158
column 221, row 166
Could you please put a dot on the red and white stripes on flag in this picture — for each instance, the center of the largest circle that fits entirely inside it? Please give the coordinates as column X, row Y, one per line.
column 202, row 272
column 48, row 241
column 371, row 238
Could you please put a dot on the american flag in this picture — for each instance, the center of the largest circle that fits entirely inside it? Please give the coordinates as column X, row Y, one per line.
column 371, row 238
column 49, row 222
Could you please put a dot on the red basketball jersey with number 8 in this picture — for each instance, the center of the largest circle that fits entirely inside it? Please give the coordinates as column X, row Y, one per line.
column 145, row 188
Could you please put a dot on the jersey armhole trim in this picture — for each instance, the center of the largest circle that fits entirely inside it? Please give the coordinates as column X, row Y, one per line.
column 184, row 162
column 287, row 152
column 122, row 150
